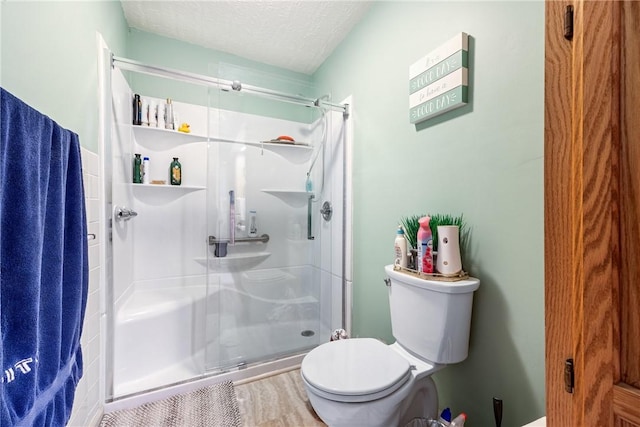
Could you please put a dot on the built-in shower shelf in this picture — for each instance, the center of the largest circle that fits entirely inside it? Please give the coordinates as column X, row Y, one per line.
column 296, row 153
column 284, row 145
column 234, row 262
column 162, row 139
column 167, row 187
column 291, row 197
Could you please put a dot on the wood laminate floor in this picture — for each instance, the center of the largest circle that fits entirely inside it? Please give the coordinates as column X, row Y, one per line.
column 276, row 401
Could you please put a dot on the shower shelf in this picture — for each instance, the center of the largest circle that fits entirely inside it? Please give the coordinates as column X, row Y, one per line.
column 297, row 153
column 158, row 138
column 291, row 197
column 235, row 262
column 269, row 145
column 167, row 187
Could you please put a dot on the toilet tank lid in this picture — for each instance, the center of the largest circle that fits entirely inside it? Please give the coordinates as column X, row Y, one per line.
column 457, row 287
column 359, row 366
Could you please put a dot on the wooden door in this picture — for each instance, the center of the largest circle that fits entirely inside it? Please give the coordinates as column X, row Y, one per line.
column 592, row 213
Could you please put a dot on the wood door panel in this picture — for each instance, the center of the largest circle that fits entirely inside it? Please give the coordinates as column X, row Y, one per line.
column 592, row 213
column 630, row 196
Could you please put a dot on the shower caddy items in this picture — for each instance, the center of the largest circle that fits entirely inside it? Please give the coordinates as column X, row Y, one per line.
column 163, row 116
column 142, row 169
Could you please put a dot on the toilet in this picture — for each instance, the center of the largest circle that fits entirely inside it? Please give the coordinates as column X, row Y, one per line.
column 364, row 382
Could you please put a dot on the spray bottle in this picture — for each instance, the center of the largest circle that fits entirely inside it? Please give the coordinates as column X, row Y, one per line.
column 459, row 420
column 425, row 246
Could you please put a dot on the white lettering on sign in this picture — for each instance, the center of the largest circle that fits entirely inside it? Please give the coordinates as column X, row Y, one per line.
column 460, row 41
column 455, row 79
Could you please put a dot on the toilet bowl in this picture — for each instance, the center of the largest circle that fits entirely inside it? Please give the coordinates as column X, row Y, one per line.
column 364, row 382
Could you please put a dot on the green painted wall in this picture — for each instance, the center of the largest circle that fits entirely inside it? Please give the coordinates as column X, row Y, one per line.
column 484, row 160
column 49, row 57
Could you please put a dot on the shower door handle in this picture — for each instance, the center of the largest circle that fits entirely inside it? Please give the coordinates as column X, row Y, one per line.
column 124, row 214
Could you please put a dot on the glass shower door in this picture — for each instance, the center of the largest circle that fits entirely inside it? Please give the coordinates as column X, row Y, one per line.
column 267, row 294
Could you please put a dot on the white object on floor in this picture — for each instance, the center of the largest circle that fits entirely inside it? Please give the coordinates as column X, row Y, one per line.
column 542, row 422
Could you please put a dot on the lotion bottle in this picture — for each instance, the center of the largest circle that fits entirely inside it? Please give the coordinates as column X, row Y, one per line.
column 401, row 248
column 425, row 246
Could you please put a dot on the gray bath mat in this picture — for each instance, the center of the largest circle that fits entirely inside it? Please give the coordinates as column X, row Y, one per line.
column 210, row 406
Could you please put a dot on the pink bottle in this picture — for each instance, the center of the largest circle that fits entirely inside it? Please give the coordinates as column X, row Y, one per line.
column 425, row 246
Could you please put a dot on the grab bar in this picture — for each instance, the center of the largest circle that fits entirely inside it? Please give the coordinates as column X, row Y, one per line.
column 309, row 233
column 220, row 245
column 262, row 239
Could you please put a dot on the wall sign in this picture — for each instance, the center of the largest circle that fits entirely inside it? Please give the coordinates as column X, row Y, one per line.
column 439, row 82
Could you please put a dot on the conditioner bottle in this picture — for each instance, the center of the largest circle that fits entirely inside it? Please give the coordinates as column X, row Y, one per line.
column 175, row 172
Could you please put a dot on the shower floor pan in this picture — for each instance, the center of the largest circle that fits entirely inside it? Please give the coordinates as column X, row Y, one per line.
column 160, row 341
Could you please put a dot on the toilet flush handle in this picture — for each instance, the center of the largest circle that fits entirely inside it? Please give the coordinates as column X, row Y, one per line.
column 387, row 281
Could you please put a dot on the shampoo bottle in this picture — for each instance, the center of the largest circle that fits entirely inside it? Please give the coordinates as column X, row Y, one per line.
column 401, row 248
column 175, row 172
column 137, row 113
column 145, row 170
column 137, row 169
column 425, row 246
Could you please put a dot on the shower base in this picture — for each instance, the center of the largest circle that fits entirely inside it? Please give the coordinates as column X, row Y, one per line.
column 169, row 332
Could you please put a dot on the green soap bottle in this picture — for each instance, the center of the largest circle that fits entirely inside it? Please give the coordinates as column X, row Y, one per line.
column 137, row 170
column 175, row 172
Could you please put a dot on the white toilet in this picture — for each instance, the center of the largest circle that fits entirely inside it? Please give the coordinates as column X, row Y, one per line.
column 363, row 382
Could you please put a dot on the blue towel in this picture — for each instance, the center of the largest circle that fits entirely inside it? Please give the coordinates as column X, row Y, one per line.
column 43, row 266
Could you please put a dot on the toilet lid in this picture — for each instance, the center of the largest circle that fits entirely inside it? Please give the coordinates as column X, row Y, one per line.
column 355, row 367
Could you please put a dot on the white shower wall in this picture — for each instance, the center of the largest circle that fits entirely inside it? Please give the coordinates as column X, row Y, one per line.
column 87, row 408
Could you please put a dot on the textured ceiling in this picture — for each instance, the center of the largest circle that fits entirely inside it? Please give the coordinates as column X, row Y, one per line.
column 295, row 35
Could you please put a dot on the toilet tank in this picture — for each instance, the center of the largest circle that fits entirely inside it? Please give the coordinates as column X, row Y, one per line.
column 431, row 318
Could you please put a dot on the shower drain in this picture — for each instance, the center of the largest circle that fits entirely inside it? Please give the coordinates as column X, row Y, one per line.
column 307, row 333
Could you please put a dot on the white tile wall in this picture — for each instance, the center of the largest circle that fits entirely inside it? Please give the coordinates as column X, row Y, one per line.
column 87, row 407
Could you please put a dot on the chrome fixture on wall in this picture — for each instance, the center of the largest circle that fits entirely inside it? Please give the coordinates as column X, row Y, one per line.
column 124, row 214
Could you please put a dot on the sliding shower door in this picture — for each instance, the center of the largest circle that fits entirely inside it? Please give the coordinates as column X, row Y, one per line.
column 236, row 265
column 270, row 290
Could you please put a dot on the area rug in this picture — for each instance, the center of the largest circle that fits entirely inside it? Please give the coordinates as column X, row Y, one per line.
column 215, row 405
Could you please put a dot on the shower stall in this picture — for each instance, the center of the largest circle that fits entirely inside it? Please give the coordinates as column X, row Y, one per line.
column 244, row 265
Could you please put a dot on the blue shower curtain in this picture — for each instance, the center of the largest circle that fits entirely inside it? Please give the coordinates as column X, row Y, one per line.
column 43, row 266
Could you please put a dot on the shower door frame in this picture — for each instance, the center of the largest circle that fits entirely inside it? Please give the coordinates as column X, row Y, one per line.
column 115, row 403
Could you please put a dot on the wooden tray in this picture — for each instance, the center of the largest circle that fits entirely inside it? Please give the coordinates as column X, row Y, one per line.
column 463, row 275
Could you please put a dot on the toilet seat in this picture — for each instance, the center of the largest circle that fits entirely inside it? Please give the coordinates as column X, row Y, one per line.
column 355, row 370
